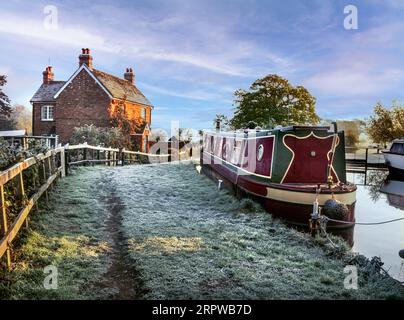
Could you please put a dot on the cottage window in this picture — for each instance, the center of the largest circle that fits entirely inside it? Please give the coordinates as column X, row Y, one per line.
column 143, row 113
column 47, row 113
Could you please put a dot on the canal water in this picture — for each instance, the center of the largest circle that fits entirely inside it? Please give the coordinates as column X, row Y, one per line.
column 380, row 197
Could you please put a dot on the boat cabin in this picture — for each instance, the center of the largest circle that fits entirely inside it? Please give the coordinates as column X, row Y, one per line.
column 397, row 147
column 294, row 154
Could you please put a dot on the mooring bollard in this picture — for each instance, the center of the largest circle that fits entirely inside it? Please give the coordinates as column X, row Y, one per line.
column 219, row 184
column 401, row 253
column 314, row 221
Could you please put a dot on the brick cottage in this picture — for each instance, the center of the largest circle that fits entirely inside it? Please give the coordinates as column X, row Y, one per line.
column 90, row 96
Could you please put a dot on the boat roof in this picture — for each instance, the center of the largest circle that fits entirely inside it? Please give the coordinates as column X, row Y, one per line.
column 266, row 132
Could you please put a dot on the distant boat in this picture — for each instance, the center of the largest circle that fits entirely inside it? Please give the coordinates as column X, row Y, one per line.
column 290, row 170
column 395, row 157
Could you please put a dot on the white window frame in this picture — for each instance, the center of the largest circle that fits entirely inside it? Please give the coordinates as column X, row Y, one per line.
column 46, row 114
column 143, row 113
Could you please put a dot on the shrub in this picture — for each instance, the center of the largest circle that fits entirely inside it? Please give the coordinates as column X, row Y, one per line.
column 11, row 154
column 95, row 136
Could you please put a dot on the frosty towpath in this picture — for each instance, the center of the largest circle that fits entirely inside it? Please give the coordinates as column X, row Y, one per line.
column 166, row 232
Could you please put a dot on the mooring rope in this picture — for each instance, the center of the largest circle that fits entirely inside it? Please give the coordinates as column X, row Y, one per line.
column 364, row 223
column 328, row 238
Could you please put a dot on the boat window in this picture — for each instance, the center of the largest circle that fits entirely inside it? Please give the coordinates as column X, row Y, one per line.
column 397, row 148
column 260, row 152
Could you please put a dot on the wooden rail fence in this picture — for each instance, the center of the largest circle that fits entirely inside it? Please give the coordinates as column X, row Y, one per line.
column 51, row 165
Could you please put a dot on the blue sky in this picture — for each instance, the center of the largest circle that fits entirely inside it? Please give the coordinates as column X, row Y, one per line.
column 190, row 56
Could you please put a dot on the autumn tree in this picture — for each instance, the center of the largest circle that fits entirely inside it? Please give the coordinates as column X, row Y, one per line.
column 351, row 130
column 274, row 101
column 385, row 124
column 22, row 117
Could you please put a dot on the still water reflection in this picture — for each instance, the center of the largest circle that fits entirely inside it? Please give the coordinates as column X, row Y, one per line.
column 381, row 199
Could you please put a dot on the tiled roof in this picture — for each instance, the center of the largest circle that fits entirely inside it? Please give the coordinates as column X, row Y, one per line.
column 120, row 88
column 46, row 92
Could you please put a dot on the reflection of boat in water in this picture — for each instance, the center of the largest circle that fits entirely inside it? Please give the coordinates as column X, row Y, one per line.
column 394, row 190
column 285, row 169
column 395, row 157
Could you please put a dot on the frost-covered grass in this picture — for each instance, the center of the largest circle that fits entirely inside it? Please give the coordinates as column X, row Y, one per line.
column 69, row 233
column 184, row 238
column 191, row 241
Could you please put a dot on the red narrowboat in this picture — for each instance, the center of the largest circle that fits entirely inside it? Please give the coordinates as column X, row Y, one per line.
column 291, row 171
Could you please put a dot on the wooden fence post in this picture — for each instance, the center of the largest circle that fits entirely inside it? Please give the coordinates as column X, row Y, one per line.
column 85, row 156
column 67, row 161
column 366, row 159
column 4, row 226
column 63, row 162
column 50, row 169
column 23, row 196
column 45, row 179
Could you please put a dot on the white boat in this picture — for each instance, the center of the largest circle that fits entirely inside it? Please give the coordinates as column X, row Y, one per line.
column 395, row 156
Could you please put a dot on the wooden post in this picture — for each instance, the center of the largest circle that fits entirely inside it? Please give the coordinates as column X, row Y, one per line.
column 123, row 157
column 45, row 178
column 85, row 155
column 36, row 186
column 63, row 162
column 50, row 170
column 366, row 160
column 67, row 159
column 22, row 194
column 3, row 225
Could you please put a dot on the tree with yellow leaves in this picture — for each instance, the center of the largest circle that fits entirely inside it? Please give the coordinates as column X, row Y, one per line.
column 385, row 124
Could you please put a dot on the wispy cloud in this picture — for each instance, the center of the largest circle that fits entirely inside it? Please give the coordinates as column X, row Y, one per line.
column 198, row 53
column 202, row 95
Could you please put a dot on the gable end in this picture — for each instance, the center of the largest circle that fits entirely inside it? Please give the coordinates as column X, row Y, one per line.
column 75, row 75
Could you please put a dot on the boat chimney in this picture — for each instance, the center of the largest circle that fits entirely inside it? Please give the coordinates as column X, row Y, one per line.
column 218, row 125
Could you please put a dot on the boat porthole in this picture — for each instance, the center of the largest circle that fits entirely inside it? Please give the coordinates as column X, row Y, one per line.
column 260, row 152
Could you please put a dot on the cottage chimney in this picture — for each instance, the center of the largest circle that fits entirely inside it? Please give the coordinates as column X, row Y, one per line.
column 86, row 58
column 48, row 75
column 129, row 75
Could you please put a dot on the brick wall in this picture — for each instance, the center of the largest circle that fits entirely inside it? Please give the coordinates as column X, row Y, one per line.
column 82, row 102
column 133, row 110
column 40, row 127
